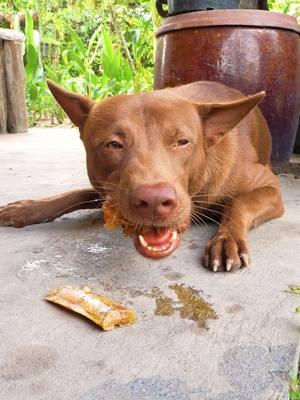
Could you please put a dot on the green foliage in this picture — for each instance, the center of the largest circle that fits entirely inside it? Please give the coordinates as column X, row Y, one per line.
column 291, row 7
column 294, row 387
column 96, row 48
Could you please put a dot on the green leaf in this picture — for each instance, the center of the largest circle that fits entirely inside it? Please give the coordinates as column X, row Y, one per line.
column 127, row 72
column 115, row 65
column 135, row 35
column 294, row 289
column 94, row 38
column 73, row 56
column 32, row 62
column 29, row 28
column 51, row 74
column 106, row 64
column 107, row 45
column 77, row 41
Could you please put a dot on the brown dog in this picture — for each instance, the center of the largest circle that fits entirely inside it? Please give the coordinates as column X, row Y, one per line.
column 166, row 158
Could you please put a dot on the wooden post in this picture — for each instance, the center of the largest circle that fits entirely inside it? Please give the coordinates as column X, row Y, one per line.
column 15, row 87
column 3, row 104
column 13, row 115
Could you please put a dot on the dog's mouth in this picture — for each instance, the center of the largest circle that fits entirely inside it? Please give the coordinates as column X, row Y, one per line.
column 157, row 242
column 150, row 241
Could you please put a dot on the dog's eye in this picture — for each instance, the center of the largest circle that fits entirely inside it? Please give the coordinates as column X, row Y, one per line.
column 182, row 142
column 114, row 145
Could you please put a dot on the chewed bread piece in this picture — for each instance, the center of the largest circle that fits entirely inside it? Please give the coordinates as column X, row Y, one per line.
column 101, row 310
column 113, row 218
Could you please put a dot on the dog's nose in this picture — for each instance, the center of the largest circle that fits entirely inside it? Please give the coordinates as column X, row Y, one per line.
column 150, row 201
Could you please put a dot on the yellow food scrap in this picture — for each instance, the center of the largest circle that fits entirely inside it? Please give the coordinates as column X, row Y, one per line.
column 113, row 219
column 101, row 310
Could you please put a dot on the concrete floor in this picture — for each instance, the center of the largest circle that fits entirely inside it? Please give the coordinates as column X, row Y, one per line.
column 47, row 353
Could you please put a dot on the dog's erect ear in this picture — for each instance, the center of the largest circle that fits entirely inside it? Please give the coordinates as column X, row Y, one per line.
column 76, row 106
column 220, row 118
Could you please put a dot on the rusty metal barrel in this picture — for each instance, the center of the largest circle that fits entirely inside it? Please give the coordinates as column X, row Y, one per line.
column 249, row 50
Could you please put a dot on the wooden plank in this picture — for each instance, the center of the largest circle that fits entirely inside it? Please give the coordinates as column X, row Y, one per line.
column 10, row 34
column 3, row 104
column 15, row 87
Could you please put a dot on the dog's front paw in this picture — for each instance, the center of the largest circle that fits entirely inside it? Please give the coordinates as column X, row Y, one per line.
column 21, row 213
column 226, row 252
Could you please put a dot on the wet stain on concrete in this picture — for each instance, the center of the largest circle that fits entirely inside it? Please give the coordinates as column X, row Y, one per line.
column 152, row 388
column 39, row 387
column 190, row 305
column 234, row 308
column 164, row 306
column 253, row 373
column 193, row 307
column 27, row 361
column 193, row 245
column 173, row 276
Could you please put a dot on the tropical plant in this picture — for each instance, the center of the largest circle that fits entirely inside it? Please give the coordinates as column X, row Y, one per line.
column 97, row 49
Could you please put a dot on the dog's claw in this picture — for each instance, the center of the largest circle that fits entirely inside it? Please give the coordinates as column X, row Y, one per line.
column 226, row 253
column 245, row 259
column 229, row 263
column 215, row 265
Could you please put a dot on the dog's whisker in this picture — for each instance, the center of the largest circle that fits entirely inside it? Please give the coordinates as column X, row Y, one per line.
column 195, row 221
column 225, row 198
column 222, row 214
column 195, row 218
column 64, row 210
column 216, row 222
column 110, row 188
column 105, row 182
column 198, row 202
column 106, row 188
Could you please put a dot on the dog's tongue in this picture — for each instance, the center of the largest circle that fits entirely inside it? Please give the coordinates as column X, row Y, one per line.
column 155, row 237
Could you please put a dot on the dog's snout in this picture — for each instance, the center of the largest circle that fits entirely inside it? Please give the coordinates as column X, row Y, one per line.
column 150, row 201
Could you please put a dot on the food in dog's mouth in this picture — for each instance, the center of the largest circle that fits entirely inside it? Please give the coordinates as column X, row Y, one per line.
column 103, row 311
column 152, row 242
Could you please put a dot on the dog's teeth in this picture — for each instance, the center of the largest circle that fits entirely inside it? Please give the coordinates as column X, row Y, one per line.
column 156, row 249
column 143, row 241
column 163, row 247
column 229, row 263
column 174, row 236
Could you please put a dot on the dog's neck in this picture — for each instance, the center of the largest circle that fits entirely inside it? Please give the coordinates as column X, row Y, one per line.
column 213, row 177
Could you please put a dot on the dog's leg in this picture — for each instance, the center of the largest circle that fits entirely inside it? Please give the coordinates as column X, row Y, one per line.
column 228, row 249
column 27, row 212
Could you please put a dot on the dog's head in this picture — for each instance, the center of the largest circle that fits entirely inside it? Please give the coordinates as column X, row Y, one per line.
column 147, row 154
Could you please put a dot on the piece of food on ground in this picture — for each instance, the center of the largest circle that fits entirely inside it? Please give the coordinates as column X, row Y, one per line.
column 101, row 310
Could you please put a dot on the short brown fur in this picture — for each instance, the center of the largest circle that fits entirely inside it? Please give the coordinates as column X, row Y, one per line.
column 223, row 167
